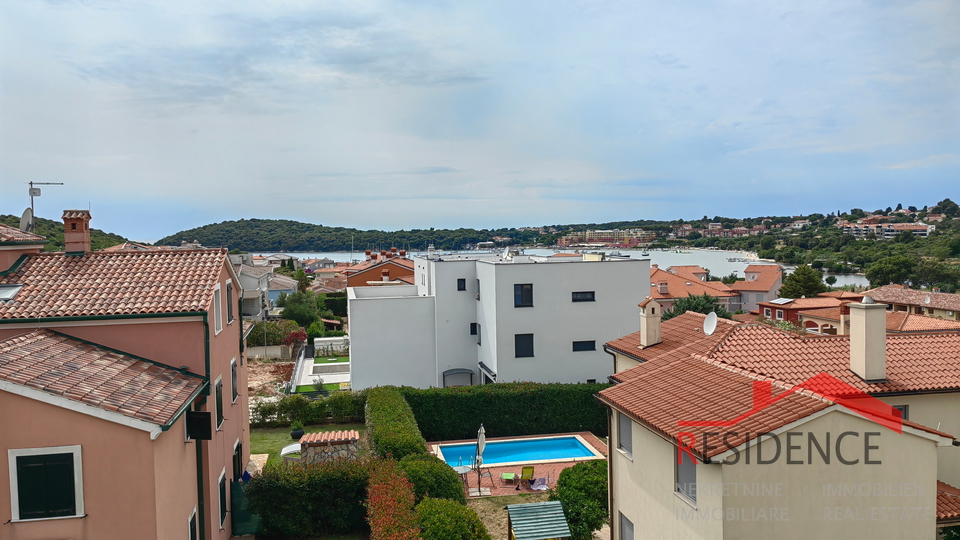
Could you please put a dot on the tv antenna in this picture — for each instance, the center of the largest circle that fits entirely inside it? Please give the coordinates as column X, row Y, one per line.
column 34, row 192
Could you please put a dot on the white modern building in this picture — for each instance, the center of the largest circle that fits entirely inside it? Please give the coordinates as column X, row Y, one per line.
column 476, row 320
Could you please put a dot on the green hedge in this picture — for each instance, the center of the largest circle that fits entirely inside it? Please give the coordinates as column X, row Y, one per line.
column 583, row 491
column 432, row 477
column 507, row 409
column 391, row 424
column 337, row 407
column 313, row 500
column 443, row 519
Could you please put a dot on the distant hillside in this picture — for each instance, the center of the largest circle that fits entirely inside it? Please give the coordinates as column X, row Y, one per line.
column 53, row 230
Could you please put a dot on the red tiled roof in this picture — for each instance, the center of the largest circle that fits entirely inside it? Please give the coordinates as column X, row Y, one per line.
column 407, row 279
column 896, row 294
column 948, row 503
column 679, row 286
column 118, row 283
column 329, row 437
column 746, row 317
column 846, row 295
column 680, row 337
column 766, row 280
column 804, row 303
column 12, row 234
column 897, row 321
column 135, row 247
column 566, row 255
column 76, row 214
column 82, row 372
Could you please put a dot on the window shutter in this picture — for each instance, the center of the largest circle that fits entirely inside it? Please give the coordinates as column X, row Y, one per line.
column 687, row 476
column 624, row 433
column 45, row 486
column 223, row 499
column 219, row 402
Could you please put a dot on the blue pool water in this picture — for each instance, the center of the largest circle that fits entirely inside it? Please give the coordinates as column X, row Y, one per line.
column 518, row 450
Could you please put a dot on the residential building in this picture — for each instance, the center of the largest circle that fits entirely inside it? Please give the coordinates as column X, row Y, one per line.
column 280, row 284
column 933, row 303
column 720, row 431
column 885, row 231
column 278, row 259
column 255, row 282
column 763, row 282
column 387, row 266
column 666, row 286
column 124, row 392
column 608, row 238
column 313, row 265
column 789, row 309
column 836, row 321
column 482, row 319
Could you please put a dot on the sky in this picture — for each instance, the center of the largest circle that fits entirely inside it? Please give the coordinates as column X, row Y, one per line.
column 165, row 115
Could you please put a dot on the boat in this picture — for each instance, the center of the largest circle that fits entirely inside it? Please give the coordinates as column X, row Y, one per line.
column 644, row 254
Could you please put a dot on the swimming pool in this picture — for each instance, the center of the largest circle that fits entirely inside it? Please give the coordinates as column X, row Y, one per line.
column 516, row 451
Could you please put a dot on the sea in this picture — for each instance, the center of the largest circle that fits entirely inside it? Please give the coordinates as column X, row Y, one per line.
column 720, row 263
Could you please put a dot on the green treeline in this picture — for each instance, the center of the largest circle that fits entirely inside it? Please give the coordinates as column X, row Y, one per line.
column 53, row 230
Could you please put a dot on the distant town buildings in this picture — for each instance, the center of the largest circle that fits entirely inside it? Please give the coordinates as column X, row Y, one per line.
column 607, row 238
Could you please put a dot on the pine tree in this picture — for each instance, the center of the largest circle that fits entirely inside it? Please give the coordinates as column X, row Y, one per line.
column 804, row 281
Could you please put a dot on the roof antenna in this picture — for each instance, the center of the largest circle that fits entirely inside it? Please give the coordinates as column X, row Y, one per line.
column 35, row 192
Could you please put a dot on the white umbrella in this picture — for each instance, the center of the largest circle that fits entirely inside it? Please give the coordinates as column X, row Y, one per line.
column 481, row 444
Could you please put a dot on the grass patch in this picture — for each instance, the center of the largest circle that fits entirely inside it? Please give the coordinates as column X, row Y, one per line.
column 328, row 360
column 310, row 388
column 272, row 440
column 494, row 516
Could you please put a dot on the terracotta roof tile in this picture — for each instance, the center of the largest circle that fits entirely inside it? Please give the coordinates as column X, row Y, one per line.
column 12, row 234
column 679, row 286
column 329, row 437
column 113, row 283
column 896, row 294
column 897, row 321
column 680, row 337
column 805, row 303
column 948, row 502
column 82, row 372
column 768, row 276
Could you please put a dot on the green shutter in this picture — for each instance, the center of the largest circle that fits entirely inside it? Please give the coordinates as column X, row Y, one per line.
column 219, row 402
column 223, row 500
column 45, row 486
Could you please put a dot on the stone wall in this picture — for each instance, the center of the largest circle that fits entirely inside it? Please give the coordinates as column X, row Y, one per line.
column 324, row 452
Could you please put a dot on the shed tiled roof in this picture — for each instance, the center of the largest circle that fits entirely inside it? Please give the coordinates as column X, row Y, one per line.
column 59, row 365
column 76, row 214
column 948, row 503
column 329, row 437
column 255, row 271
column 896, row 294
column 113, row 283
column 12, row 234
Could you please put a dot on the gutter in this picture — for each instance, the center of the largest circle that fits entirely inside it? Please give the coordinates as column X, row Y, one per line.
column 16, row 266
column 23, row 320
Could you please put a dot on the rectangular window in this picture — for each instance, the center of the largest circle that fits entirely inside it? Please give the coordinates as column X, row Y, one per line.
column 478, row 334
column 625, row 434
column 461, row 284
column 193, row 525
column 223, row 497
column 217, row 311
column 580, row 346
column 234, row 388
column 478, row 289
column 626, row 528
column 523, row 345
column 766, row 312
column 46, row 482
column 473, row 328
column 686, row 474
column 229, row 303
column 219, row 388
column 760, row 298
column 584, row 296
column 523, row 295
column 779, row 314
column 238, row 467
column 904, row 411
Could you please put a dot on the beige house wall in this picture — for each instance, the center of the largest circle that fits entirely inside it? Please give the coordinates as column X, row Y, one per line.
column 935, row 410
column 623, row 363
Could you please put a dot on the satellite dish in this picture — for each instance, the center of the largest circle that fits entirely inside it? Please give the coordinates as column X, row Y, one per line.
column 926, row 300
column 710, row 324
column 26, row 221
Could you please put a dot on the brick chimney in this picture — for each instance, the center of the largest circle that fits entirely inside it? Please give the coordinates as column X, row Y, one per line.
column 385, row 275
column 868, row 340
column 650, row 313
column 76, row 231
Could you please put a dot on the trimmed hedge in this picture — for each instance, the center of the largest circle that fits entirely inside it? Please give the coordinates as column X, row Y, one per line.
column 507, row 409
column 337, row 407
column 582, row 489
column 443, row 519
column 313, row 500
column 432, row 477
column 391, row 424
column 390, row 502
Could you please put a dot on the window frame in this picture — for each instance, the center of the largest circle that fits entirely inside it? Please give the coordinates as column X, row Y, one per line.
column 222, row 496
column 591, row 298
column 522, row 295
column 473, row 328
column 229, row 294
column 461, row 284
column 684, row 494
column 779, row 314
column 624, row 423
column 234, row 381
column 478, row 289
column 516, row 346
column 479, row 335
column 632, row 528
column 192, row 530
column 767, row 312
column 217, row 311
column 904, row 411
column 218, row 391
column 592, row 345
column 14, row 453
column 236, row 464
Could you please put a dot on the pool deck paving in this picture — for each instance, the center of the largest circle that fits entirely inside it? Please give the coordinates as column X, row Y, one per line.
column 493, row 487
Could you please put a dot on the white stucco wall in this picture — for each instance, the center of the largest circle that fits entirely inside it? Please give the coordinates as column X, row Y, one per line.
column 456, row 348
column 935, row 410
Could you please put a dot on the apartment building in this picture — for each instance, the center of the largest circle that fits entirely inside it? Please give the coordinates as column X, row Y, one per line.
column 472, row 320
column 666, row 286
column 763, row 282
column 931, row 303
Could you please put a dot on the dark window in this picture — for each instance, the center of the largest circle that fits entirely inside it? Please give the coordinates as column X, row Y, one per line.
column 904, row 411
column 461, row 284
column 579, row 346
column 625, row 434
column 237, row 462
column 233, row 380
column 229, row 302
column 223, row 499
column 478, row 334
column 219, row 403
column 45, row 487
column 473, row 328
column 626, row 528
column 523, row 345
column 591, row 381
column 193, row 526
column 478, row 289
column 584, row 296
column 686, row 469
column 523, row 295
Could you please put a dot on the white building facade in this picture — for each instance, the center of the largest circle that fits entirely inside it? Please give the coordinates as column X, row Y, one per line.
column 476, row 320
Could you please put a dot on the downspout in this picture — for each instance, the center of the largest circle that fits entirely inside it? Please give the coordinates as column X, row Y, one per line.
column 614, row 356
column 201, row 505
column 610, row 468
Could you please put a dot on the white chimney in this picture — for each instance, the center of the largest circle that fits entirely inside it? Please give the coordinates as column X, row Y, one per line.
column 650, row 313
column 662, row 287
column 868, row 340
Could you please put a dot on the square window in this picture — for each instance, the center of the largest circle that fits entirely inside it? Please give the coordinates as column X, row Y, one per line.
column 766, row 312
column 219, row 389
column 461, row 284
column 904, row 411
column 473, row 328
column 523, row 295
column 625, row 434
column 584, row 296
column 46, row 483
column 523, row 345
column 580, row 346
column 686, row 475
column 760, row 298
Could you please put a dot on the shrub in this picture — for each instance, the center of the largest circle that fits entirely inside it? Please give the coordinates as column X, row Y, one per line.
column 507, row 409
column 338, row 407
column 311, row 500
column 433, row 478
column 443, row 519
column 347, row 406
column 391, row 424
column 582, row 489
column 277, row 331
column 390, row 504
column 296, row 408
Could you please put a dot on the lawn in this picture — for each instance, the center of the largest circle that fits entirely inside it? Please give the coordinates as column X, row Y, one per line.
column 272, row 440
column 326, row 360
column 494, row 516
column 310, row 388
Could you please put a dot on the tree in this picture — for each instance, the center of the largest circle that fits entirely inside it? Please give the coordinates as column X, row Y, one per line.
column 946, row 207
column 582, row 489
column 831, row 280
column 730, row 279
column 694, row 236
column 804, row 281
column 699, row 303
column 899, row 206
column 895, row 269
column 303, row 282
column 300, row 307
column 928, row 273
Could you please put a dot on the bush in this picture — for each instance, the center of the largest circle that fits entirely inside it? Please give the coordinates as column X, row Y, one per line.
column 390, row 505
column 507, row 409
column 347, row 406
column 277, row 331
column 443, row 519
column 433, row 478
column 311, row 500
column 582, row 489
column 391, row 424
column 338, row 407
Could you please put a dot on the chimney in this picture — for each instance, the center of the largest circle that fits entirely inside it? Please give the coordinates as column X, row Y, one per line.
column 650, row 313
column 403, row 253
column 368, row 254
column 868, row 340
column 385, row 275
column 662, row 287
column 844, row 319
column 76, row 231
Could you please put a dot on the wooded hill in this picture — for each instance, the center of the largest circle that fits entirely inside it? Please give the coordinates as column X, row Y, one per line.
column 53, row 230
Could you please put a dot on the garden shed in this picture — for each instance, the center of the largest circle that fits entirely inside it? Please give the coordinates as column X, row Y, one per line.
column 537, row 521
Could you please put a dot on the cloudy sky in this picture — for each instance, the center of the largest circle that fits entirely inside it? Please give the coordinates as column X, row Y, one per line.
column 165, row 115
